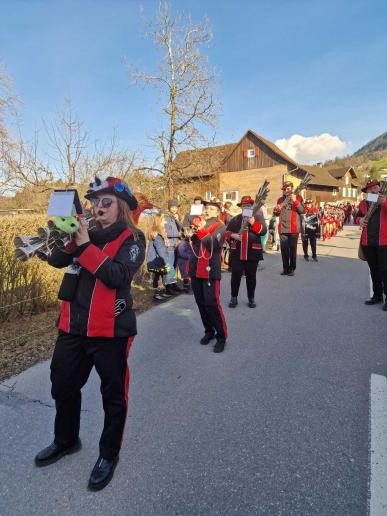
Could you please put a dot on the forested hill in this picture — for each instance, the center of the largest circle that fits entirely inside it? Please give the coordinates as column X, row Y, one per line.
column 378, row 144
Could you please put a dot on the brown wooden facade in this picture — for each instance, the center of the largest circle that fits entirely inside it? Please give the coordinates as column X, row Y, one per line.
column 235, row 170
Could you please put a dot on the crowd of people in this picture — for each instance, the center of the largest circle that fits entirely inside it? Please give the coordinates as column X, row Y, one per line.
column 97, row 324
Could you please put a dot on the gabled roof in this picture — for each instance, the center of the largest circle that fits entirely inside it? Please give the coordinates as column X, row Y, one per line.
column 273, row 148
column 202, row 162
column 206, row 161
column 338, row 173
column 321, row 176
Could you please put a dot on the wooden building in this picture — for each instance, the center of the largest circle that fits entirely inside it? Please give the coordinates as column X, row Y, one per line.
column 349, row 189
column 236, row 169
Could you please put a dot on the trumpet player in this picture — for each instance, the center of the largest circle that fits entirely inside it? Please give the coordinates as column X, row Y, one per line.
column 373, row 241
column 244, row 234
column 290, row 208
column 205, row 273
column 97, row 324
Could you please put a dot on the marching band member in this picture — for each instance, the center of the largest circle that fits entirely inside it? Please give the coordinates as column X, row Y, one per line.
column 97, row 325
column 291, row 208
column 244, row 234
column 205, row 273
column 311, row 230
column 373, row 241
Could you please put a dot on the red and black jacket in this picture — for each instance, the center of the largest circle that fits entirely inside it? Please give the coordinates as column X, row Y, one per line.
column 249, row 247
column 207, row 246
column 102, row 305
column 375, row 233
column 290, row 217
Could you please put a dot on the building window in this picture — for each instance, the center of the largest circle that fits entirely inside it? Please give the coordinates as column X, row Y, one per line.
column 346, row 180
column 344, row 192
column 209, row 196
column 231, row 195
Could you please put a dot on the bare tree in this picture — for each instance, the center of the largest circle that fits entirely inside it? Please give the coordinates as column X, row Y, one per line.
column 68, row 140
column 185, row 85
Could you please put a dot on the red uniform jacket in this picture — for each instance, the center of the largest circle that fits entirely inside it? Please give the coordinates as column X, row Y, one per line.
column 249, row 247
column 290, row 218
column 375, row 233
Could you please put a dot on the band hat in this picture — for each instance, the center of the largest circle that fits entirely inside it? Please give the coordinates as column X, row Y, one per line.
column 246, row 199
column 212, row 203
column 369, row 184
column 309, row 201
column 173, row 202
column 198, row 198
column 286, row 184
column 113, row 186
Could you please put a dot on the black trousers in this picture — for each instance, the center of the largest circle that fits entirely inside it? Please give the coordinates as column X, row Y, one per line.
column 249, row 268
column 73, row 359
column 311, row 237
column 206, row 294
column 376, row 257
column 288, row 243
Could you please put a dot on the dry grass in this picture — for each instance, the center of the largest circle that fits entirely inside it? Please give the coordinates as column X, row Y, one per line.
column 28, row 299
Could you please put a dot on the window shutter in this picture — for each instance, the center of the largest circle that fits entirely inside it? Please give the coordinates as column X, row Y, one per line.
column 245, row 153
column 257, row 150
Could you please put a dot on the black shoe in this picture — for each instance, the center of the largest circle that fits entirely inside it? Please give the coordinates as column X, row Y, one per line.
column 284, row 273
column 291, row 272
column 374, row 300
column 314, row 258
column 252, row 303
column 55, row 452
column 102, row 473
column 170, row 291
column 219, row 346
column 164, row 294
column 175, row 287
column 233, row 302
column 385, row 306
column 306, row 258
column 207, row 338
column 158, row 297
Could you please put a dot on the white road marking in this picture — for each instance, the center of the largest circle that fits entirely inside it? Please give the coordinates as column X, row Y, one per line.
column 378, row 446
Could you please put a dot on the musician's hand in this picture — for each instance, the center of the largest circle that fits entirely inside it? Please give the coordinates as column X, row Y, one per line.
column 201, row 224
column 382, row 199
column 363, row 223
column 279, row 206
column 82, row 235
column 251, row 220
column 293, row 198
column 236, row 236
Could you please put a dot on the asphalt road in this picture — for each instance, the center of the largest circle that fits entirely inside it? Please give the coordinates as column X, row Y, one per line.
column 278, row 424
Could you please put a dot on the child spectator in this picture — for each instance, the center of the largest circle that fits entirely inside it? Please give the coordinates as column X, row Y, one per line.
column 157, row 256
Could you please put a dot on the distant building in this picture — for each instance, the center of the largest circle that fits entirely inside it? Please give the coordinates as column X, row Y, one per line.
column 236, row 169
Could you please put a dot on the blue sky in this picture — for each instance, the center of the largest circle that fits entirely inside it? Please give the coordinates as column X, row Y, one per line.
column 285, row 67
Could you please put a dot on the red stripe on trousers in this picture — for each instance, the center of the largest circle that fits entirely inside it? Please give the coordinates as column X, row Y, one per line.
column 64, row 320
column 127, row 377
column 217, row 293
column 244, row 243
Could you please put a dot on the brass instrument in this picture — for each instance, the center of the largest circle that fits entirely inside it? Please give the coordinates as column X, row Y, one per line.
column 258, row 203
column 43, row 244
column 304, row 183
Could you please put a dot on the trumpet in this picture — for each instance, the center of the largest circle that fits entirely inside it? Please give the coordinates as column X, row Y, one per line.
column 46, row 240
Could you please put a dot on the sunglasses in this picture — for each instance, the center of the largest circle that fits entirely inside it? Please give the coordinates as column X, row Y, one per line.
column 105, row 201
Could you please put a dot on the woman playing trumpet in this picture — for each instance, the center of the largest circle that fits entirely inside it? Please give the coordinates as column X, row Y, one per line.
column 97, row 324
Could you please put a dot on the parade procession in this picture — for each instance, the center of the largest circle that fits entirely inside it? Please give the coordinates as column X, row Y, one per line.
column 103, row 248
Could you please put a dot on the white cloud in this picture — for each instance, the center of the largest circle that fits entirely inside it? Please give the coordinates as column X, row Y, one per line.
column 312, row 149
